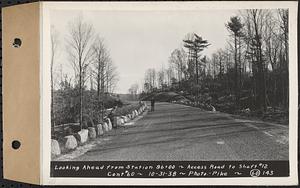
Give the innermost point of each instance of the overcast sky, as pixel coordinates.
(138, 40)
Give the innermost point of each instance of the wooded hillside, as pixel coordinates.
(250, 74)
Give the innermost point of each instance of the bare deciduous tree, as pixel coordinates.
(161, 78)
(112, 77)
(150, 78)
(133, 90)
(54, 47)
(79, 44)
(100, 60)
(178, 60)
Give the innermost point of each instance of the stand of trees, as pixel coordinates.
(251, 71)
(133, 91)
(74, 100)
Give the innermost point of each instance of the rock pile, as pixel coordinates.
(72, 141)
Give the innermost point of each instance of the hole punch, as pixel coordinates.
(15, 144)
(17, 43)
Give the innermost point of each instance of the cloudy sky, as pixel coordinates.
(138, 40)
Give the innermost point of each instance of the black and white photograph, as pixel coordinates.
(161, 85)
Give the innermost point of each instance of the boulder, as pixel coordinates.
(125, 118)
(109, 123)
(247, 110)
(105, 127)
(133, 115)
(128, 117)
(119, 121)
(71, 142)
(136, 113)
(99, 130)
(83, 134)
(110, 126)
(92, 133)
(55, 149)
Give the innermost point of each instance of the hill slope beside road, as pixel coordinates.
(179, 132)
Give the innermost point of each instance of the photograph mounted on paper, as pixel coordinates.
(169, 91)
